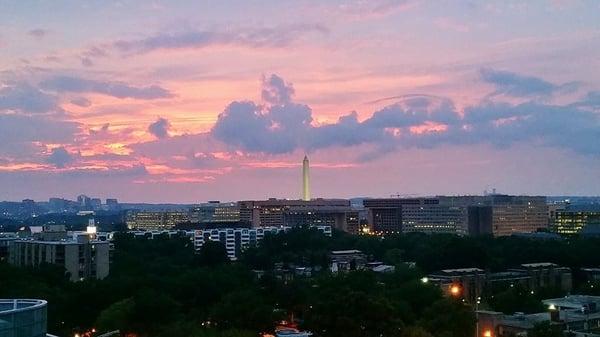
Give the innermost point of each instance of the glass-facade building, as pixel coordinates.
(574, 219)
(23, 318)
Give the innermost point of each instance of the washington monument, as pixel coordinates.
(305, 180)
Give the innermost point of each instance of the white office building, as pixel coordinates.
(238, 239)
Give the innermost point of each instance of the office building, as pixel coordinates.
(502, 215)
(384, 215)
(145, 220)
(236, 240)
(215, 212)
(574, 219)
(429, 216)
(112, 205)
(407, 215)
(23, 318)
(82, 256)
(59, 205)
(509, 214)
(339, 217)
(518, 214)
(479, 220)
(270, 213)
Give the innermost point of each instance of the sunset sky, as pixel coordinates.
(188, 101)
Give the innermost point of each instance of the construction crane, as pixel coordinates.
(405, 195)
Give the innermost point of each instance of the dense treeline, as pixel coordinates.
(430, 252)
(161, 288)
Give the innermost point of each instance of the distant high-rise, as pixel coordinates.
(305, 180)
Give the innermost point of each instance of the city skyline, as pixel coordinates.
(184, 102)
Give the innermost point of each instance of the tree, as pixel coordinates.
(545, 329)
(117, 316)
(449, 317)
(212, 253)
(393, 256)
(415, 332)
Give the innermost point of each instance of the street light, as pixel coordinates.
(455, 290)
(425, 280)
(487, 333)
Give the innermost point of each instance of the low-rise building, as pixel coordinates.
(547, 275)
(347, 260)
(471, 283)
(576, 315)
(82, 256)
(6, 240)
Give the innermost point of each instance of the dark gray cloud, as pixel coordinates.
(283, 128)
(60, 157)
(19, 133)
(414, 110)
(23, 97)
(591, 100)
(276, 91)
(81, 101)
(160, 128)
(115, 89)
(87, 62)
(276, 129)
(274, 37)
(517, 85)
(38, 33)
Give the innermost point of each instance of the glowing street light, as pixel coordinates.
(425, 280)
(487, 333)
(455, 290)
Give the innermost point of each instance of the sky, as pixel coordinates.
(188, 101)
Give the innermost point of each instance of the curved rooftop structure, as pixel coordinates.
(23, 318)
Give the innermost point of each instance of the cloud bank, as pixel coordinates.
(114, 89)
(270, 37)
(160, 128)
(280, 125)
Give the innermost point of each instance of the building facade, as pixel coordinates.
(6, 240)
(471, 283)
(431, 217)
(236, 240)
(316, 212)
(573, 219)
(510, 214)
(384, 215)
(214, 212)
(81, 259)
(144, 220)
(409, 215)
